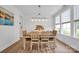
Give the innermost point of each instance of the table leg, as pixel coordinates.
(24, 43)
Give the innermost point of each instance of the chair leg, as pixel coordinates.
(38, 46)
(24, 44)
(31, 46)
(41, 46)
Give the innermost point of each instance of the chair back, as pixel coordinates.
(54, 32)
(34, 35)
(24, 33)
(44, 34)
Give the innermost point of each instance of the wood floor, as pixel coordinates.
(18, 48)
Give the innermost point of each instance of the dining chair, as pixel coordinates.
(44, 40)
(52, 39)
(24, 33)
(34, 40)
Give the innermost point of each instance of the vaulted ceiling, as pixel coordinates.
(33, 10)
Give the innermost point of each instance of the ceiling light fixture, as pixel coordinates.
(39, 10)
(39, 15)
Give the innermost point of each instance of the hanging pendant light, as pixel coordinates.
(39, 10)
(39, 16)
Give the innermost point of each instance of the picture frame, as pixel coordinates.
(6, 17)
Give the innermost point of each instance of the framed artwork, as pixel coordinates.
(6, 17)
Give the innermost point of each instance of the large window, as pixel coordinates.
(77, 29)
(65, 16)
(57, 19)
(57, 23)
(57, 28)
(76, 20)
(65, 29)
(76, 12)
(65, 23)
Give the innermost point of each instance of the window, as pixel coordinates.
(76, 12)
(65, 29)
(57, 28)
(76, 21)
(77, 29)
(57, 19)
(57, 23)
(65, 16)
(65, 23)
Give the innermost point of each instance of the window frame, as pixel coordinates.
(58, 23)
(59, 28)
(75, 28)
(63, 12)
(72, 21)
(61, 23)
(62, 28)
(59, 19)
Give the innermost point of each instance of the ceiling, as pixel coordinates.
(33, 10)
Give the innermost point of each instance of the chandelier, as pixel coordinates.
(39, 16)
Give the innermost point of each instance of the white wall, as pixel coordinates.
(30, 11)
(10, 34)
(30, 25)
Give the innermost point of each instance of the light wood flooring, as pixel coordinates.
(18, 48)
